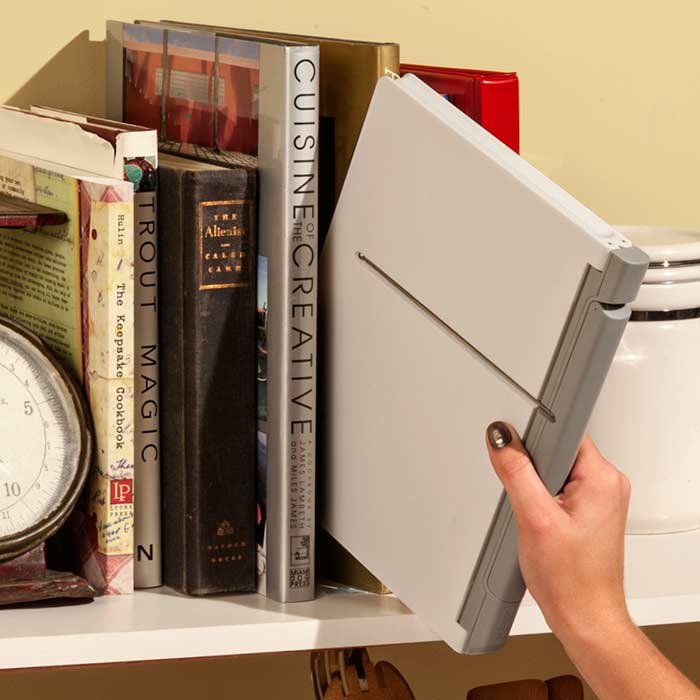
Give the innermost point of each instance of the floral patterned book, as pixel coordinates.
(107, 264)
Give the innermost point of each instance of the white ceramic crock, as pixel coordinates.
(647, 419)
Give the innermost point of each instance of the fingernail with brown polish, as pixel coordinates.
(499, 435)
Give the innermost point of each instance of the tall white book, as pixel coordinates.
(459, 286)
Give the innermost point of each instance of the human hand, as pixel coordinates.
(571, 546)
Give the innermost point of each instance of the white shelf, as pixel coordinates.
(160, 624)
(662, 581)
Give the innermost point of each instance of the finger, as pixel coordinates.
(588, 460)
(593, 476)
(528, 495)
(588, 451)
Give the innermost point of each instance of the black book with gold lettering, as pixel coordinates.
(207, 325)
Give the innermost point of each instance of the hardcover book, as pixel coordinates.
(229, 94)
(207, 217)
(119, 150)
(72, 284)
(490, 98)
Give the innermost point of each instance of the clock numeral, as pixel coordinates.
(37, 486)
(12, 489)
(4, 514)
(28, 408)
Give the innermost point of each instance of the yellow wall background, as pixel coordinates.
(610, 88)
(610, 103)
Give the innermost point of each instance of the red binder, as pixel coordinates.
(488, 97)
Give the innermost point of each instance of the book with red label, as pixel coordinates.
(73, 285)
(490, 98)
(117, 150)
(134, 156)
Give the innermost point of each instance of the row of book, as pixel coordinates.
(188, 290)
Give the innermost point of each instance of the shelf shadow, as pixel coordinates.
(73, 79)
(326, 606)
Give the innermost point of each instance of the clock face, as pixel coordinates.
(43, 450)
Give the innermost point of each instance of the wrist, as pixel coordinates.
(587, 615)
(607, 625)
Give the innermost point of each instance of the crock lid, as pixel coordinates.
(672, 281)
(663, 244)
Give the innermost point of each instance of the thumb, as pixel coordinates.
(527, 494)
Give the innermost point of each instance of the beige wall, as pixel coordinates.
(610, 89)
(610, 106)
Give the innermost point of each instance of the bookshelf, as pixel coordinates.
(159, 624)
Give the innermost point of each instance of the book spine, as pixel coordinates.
(207, 324)
(500, 109)
(287, 309)
(147, 536)
(171, 330)
(108, 357)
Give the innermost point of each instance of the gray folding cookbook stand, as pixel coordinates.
(459, 286)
